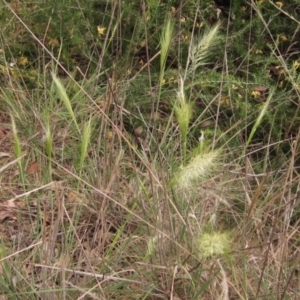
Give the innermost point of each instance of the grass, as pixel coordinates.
(148, 158)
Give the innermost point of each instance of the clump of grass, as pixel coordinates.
(18, 149)
(65, 99)
(85, 141)
(198, 168)
(48, 142)
(165, 44)
(201, 49)
(183, 111)
(202, 163)
(107, 225)
(215, 244)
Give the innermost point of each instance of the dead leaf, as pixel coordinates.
(21, 204)
(33, 169)
(276, 71)
(4, 154)
(261, 89)
(4, 214)
(9, 203)
(75, 197)
(2, 133)
(138, 131)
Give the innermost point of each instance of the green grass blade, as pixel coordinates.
(65, 98)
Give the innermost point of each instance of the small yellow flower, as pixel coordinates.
(225, 100)
(200, 25)
(185, 38)
(172, 79)
(102, 103)
(101, 30)
(182, 19)
(23, 61)
(279, 4)
(143, 43)
(283, 37)
(256, 94)
(296, 65)
(53, 42)
(109, 135)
